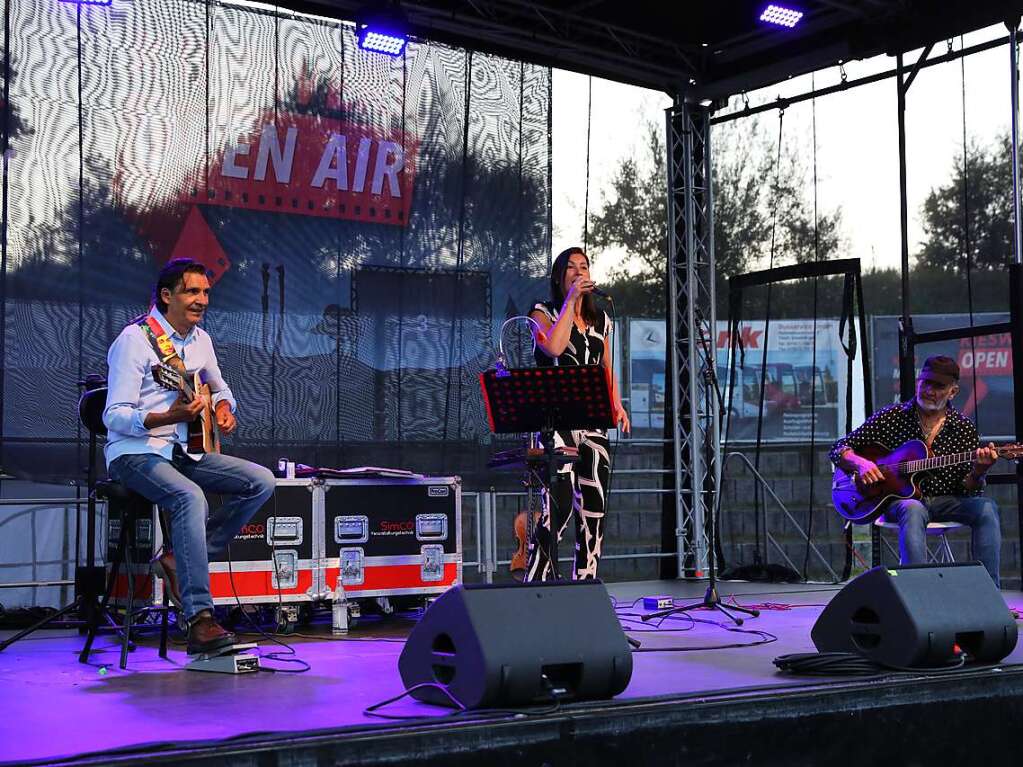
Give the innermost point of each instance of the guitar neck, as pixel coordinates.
(940, 461)
(186, 387)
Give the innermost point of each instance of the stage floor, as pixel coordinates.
(52, 707)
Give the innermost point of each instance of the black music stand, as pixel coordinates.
(546, 400)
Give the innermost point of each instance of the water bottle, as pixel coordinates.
(339, 610)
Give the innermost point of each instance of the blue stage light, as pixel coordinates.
(377, 39)
(781, 16)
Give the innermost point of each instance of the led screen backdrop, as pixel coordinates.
(368, 221)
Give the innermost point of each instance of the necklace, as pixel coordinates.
(930, 434)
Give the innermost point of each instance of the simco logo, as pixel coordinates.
(438, 491)
(404, 527)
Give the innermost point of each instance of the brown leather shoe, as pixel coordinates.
(167, 569)
(205, 635)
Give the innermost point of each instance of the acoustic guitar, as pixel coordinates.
(861, 503)
(203, 435)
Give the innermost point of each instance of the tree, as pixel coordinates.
(11, 116)
(755, 202)
(636, 218)
(985, 182)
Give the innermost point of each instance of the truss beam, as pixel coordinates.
(696, 438)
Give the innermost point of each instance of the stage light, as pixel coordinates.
(781, 16)
(381, 41)
(382, 28)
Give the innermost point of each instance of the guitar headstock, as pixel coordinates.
(168, 377)
(1012, 452)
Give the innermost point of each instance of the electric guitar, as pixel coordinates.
(203, 435)
(862, 503)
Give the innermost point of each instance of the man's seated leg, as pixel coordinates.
(247, 484)
(166, 568)
(981, 515)
(911, 516)
(157, 479)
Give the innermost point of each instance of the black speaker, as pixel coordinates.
(513, 645)
(914, 615)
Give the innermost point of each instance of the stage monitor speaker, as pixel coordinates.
(518, 644)
(915, 615)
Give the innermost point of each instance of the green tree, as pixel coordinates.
(751, 193)
(635, 217)
(984, 182)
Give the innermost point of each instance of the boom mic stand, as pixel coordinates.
(88, 579)
(711, 599)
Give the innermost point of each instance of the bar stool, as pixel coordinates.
(941, 551)
(131, 509)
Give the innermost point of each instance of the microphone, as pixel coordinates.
(598, 292)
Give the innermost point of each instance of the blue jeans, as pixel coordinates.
(176, 486)
(976, 512)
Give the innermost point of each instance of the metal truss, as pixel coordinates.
(658, 46)
(697, 436)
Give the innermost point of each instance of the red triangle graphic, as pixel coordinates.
(197, 241)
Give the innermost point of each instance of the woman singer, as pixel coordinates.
(573, 331)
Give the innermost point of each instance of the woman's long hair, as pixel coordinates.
(558, 269)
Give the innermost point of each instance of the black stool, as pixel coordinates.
(130, 508)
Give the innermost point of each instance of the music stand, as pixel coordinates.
(547, 400)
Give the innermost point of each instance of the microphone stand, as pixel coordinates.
(711, 599)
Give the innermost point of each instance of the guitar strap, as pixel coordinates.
(161, 343)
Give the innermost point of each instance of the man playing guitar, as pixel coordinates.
(148, 435)
(949, 494)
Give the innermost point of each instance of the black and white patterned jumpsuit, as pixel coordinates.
(580, 491)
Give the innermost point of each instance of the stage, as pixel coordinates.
(689, 704)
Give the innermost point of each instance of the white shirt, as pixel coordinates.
(132, 393)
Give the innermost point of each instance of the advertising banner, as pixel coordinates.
(646, 373)
(801, 387)
(985, 365)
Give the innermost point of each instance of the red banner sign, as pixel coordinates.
(314, 166)
(980, 358)
(987, 355)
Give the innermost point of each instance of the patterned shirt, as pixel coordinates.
(896, 424)
(583, 348)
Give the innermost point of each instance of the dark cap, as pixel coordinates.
(940, 369)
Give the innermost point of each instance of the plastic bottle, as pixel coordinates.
(339, 610)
